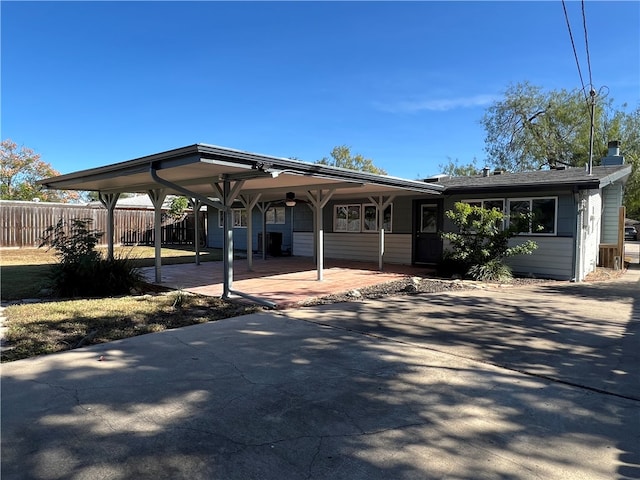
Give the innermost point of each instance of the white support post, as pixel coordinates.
(228, 194)
(249, 203)
(109, 200)
(195, 206)
(319, 200)
(157, 197)
(263, 207)
(381, 205)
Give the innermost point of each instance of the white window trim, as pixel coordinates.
(335, 217)
(375, 225)
(530, 200)
(361, 207)
(390, 229)
(233, 218)
(482, 200)
(274, 221)
(505, 218)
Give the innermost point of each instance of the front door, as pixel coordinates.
(427, 245)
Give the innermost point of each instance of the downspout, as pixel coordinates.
(577, 244)
(228, 252)
(195, 205)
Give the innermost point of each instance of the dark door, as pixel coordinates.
(427, 246)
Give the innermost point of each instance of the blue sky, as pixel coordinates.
(403, 83)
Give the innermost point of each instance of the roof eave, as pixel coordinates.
(209, 153)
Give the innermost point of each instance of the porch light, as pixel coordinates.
(290, 200)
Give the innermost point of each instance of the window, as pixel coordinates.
(429, 218)
(347, 218)
(370, 218)
(276, 215)
(360, 218)
(543, 213)
(487, 204)
(238, 215)
(386, 218)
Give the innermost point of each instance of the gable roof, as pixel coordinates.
(529, 181)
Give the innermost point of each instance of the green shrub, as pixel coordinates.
(82, 271)
(493, 270)
(481, 243)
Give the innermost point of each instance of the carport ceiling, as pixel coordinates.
(198, 167)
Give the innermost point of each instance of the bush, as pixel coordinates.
(493, 270)
(82, 271)
(482, 242)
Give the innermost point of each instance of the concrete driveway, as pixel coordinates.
(530, 383)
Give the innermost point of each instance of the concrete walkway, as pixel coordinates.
(529, 383)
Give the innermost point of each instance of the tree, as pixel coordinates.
(481, 243)
(178, 207)
(626, 127)
(454, 168)
(531, 129)
(19, 171)
(341, 157)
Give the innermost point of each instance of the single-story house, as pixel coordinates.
(308, 209)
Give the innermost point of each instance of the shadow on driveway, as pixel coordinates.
(408, 388)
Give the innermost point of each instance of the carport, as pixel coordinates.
(217, 177)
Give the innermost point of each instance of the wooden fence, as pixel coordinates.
(23, 223)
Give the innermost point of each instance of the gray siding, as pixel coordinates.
(215, 234)
(302, 218)
(303, 244)
(552, 259)
(356, 246)
(402, 221)
(611, 202)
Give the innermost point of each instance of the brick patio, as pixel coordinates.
(286, 281)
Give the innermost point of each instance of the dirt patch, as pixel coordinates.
(603, 274)
(417, 285)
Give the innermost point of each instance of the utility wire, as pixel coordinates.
(586, 41)
(575, 53)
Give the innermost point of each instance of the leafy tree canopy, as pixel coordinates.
(20, 169)
(530, 129)
(341, 157)
(454, 168)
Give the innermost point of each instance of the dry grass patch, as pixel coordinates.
(49, 327)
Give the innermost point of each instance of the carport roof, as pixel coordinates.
(197, 167)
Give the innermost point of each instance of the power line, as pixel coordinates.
(575, 53)
(590, 98)
(586, 41)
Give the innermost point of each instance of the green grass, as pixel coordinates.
(50, 327)
(53, 326)
(24, 272)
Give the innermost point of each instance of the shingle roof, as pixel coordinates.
(578, 177)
